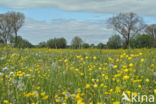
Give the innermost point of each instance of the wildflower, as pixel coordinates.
(72, 95)
(93, 80)
(77, 70)
(117, 102)
(147, 80)
(135, 93)
(98, 103)
(101, 85)
(139, 86)
(45, 97)
(82, 74)
(28, 95)
(57, 100)
(38, 88)
(87, 86)
(78, 56)
(43, 93)
(142, 60)
(63, 93)
(5, 101)
(100, 68)
(140, 53)
(94, 57)
(35, 94)
(117, 89)
(128, 92)
(154, 91)
(91, 103)
(106, 77)
(56, 96)
(130, 65)
(65, 61)
(129, 58)
(125, 70)
(86, 57)
(115, 66)
(95, 85)
(125, 77)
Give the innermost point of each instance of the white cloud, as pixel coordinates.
(145, 7)
(91, 32)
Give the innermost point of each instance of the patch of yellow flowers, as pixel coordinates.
(86, 76)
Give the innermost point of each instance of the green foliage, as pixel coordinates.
(76, 42)
(141, 41)
(22, 43)
(56, 43)
(114, 42)
(154, 43)
(1, 41)
(92, 46)
(85, 45)
(42, 45)
(100, 46)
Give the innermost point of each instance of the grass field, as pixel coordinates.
(91, 76)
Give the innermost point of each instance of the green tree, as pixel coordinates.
(92, 45)
(42, 45)
(143, 41)
(85, 45)
(22, 43)
(76, 42)
(62, 43)
(57, 43)
(16, 20)
(127, 24)
(5, 28)
(151, 30)
(114, 42)
(100, 46)
(10, 23)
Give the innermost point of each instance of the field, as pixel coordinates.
(91, 76)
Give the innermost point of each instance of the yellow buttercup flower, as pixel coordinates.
(154, 91)
(45, 97)
(115, 66)
(87, 86)
(117, 102)
(95, 85)
(5, 101)
(125, 77)
(43, 93)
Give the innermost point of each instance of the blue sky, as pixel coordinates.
(48, 14)
(87, 19)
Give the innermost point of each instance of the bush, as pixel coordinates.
(85, 45)
(100, 46)
(114, 42)
(141, 41)
(22, 43)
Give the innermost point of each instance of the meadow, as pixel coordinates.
(84, 76)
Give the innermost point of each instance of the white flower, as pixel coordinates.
(154, 74)
(1, 74)
(20, 85)
(5, 68)
(11, 73)
(2, 58)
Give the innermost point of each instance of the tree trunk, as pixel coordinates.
(128, 39)
(15, 38)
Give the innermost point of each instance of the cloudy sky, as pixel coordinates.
(47, 19)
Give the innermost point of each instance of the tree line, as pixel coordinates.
(131, 32)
